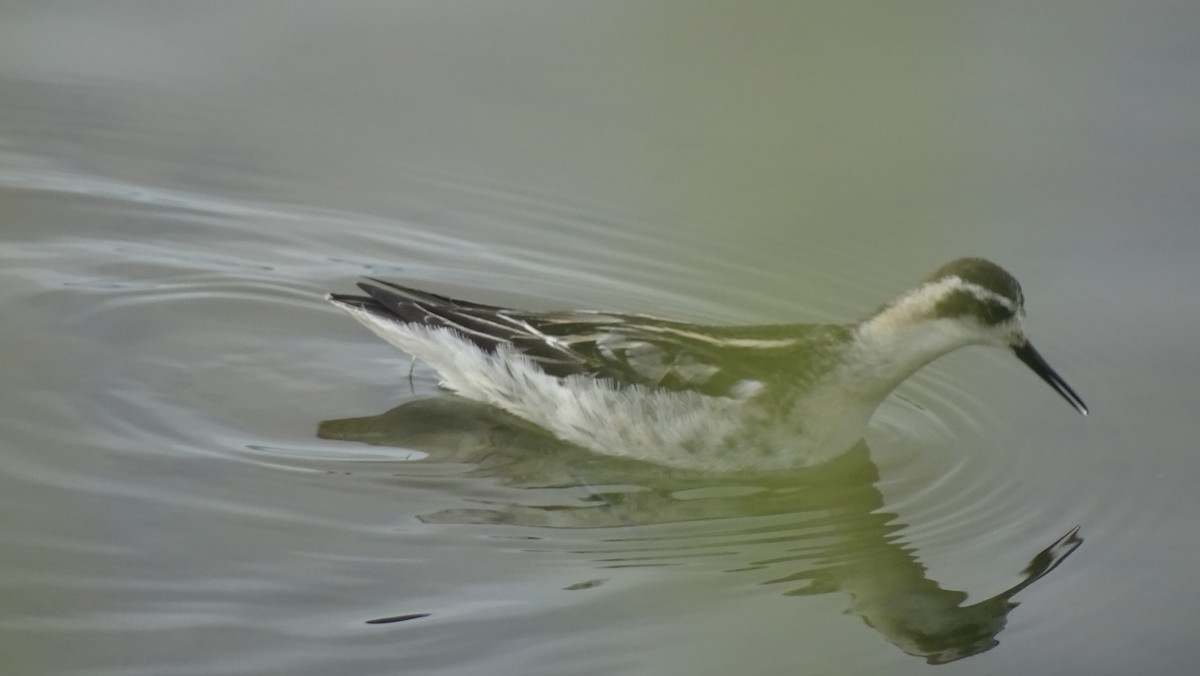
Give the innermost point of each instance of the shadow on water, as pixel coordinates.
(814, 531)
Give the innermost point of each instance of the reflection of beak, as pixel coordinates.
(1033, 360)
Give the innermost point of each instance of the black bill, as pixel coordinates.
(1033, 360)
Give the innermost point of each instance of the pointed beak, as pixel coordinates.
(1033, 360)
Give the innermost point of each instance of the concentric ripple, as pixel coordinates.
(200, 372)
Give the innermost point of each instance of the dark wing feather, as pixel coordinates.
(486, 326)
(713, 360)
(627, 349)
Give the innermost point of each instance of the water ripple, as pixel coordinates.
(209, 365)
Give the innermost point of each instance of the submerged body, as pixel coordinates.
(701, 397)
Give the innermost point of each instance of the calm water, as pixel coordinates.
(206, 469)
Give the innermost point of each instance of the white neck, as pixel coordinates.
(902, 338)
(884, 354)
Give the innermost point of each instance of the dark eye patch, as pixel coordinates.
(988, 312)
(982, 273)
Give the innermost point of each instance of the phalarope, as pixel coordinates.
(717, 398)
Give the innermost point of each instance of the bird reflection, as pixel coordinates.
(812, 531)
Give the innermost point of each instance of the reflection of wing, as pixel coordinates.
(629, 349)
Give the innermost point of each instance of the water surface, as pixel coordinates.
(206, 469)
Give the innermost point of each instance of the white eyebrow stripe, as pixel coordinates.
(922, 301)
(944, 286)
(985, 295)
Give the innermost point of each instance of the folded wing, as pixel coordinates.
(628, 349)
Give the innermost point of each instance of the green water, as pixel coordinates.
(207, 469)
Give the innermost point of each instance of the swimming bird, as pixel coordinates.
(714, 398)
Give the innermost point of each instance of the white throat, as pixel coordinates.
(908, 334)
